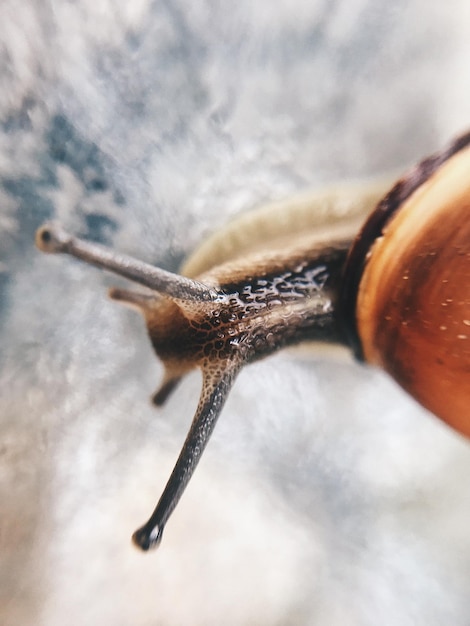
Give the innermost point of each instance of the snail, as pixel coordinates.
(397, 294)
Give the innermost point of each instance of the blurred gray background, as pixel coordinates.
(326, 495)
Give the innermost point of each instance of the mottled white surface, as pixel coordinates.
(326, 496)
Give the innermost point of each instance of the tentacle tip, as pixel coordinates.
(159, 397)
(114, 293)
(163, 392)
(169, 384)
(52, 239)
(147, 539)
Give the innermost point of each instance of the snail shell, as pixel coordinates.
(398, 294)
(325, 215)
(407, 285)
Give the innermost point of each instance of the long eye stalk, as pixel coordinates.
(51, 238)
(215, 389)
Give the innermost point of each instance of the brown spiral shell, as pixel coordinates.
(407, 285)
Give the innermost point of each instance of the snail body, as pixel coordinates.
(398, 294)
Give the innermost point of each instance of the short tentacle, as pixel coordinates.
(166, 388)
